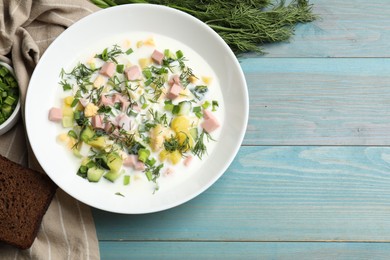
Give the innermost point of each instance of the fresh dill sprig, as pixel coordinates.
(245, 25)
(200, 147)
(110, 54)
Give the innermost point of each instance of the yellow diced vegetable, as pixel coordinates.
(207, 80)
(99, 81)
(144, 62)
(175, 157)
(67, 111)
(163, 155)
(150, 42)
(90, 110)
(180, 123)
(68, 100)
(64, 137)
(192, 79)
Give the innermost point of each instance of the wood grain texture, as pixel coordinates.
(345, 29)
(316, 101)
(240, 250)
(277, 194)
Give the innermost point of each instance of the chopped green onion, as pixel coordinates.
(74, 102)
(179, 54)
(206, 104)
(126, 180)
(120, 68)
(129, 51)
(149, 175)
(143, 154)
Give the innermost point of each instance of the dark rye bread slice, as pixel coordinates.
(25, 196)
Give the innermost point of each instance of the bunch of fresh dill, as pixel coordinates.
(245, 25)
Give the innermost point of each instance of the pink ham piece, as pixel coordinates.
(55, 114)
(107, 101)
(139, 166)
(84, 102)
(131, 160)
(174, 91)
(157, 57)
(124, 121)
(188, 160)
(98, 121)
(210, 122)
(133, 73)
(108, 69)
(175, 79)
(123, 100)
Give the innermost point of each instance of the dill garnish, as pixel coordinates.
(245, 25)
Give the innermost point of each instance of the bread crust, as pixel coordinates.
(25, 196)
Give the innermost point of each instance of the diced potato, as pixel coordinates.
(99, 81)
(127, 43)
(144, 62)
(140, 44)
(64, 137)
(207, 80)
(68, 100)
(192, 79)
(174, 157)
(180, 123)
(90, 110)
(163, 155)
(157, 137)
(150, 42)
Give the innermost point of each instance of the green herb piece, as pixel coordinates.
(129, 51)
(206, 104)
(245, 25)
(143, 154)
(120, 68)
(215, 105)
(73, 134)
(119, 194)
(126, 179)
(110, 54)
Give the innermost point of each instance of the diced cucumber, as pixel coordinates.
(98, 142)
(194, 133)
(87, 134)
(112, 176)
(185, 108)
(94, 174)
(114, 162)
(67, 121)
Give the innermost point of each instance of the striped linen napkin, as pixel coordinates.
(27, 27)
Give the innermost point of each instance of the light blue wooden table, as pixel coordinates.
(312, 178)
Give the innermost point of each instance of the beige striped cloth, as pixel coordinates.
(27, 27)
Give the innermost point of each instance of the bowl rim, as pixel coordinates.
(10, 122)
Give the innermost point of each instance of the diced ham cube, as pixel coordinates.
(133, 73)
(119, 98)
(125, 105)
(98, 121)
(109, 127)
(210, 122)
(136, 107)
(175, 79)
(157, 57)
(124, 122)
(188, 160)
(107, 101)
(55, 114)
(108, 69)
(139, 166)
(174, 91)
(131, 160)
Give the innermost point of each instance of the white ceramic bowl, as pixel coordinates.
(13, 119)
(42, 93)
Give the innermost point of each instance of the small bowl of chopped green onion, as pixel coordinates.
(9, 98)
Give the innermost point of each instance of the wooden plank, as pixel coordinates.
(345, 29)
(277, 194)
(241, 250)
(316, 101)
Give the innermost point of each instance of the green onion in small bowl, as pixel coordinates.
(9, 98)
